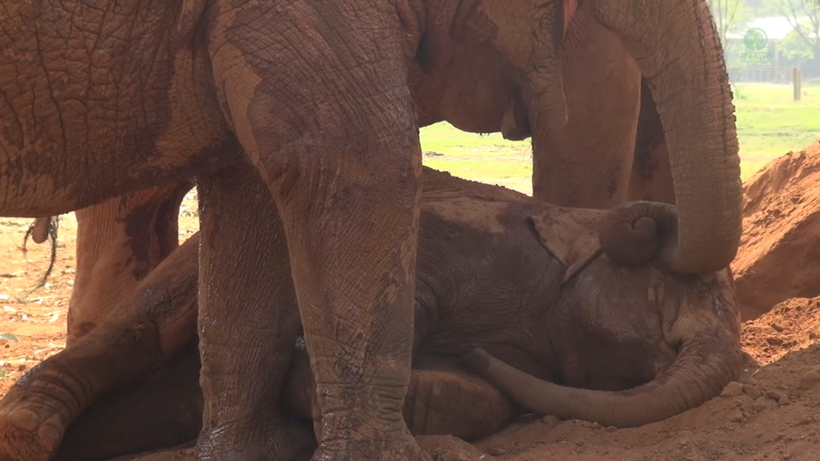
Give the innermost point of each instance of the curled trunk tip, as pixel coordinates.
(636, 232)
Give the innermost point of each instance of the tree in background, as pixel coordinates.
(804, 17)
(794, 47)
(728, 15)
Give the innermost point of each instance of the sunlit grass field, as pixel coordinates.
(769, 125)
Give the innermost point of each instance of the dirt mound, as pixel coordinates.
(792, 324)
(779, 256)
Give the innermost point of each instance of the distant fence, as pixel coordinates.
(770, 74)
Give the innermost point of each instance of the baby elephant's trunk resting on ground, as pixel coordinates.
(693, 379)
(698, 320)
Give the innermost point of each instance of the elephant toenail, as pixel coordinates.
(25, 419)
(49, 436)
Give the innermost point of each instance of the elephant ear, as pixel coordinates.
(569, 234)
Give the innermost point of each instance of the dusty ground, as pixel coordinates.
(774, 414)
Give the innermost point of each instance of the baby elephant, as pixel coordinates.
(526, 295)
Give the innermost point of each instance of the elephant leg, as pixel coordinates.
(134, 340)
(327, 118)
(442, 399)
(160, 412)
(586, 162)
(163, 411)
(651, 177)
(119, 242)
(166, 222)
(244, 267)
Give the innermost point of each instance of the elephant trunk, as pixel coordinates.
(679, 53)
(706, 363)
(634, 233)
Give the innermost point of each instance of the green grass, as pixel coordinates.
(769, 124)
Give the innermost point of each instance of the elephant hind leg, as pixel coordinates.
(155, 323)
(248, 323)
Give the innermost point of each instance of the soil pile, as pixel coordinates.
(792, 324)
(779, 256)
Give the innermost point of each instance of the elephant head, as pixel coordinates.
(488, 66)
(616, 316)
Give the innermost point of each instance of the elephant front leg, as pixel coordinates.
(442, 399)
(349, 204)
(317, 93)
(352, 234)
(248, 323)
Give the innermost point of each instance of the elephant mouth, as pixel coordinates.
(515, 123)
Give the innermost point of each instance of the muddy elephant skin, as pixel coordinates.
(316, 96)
(595, 161)
(524, 281)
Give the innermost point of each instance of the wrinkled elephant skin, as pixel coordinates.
(163, 92)
(486, 255)
(315, 96)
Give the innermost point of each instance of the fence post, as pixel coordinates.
(798, 84)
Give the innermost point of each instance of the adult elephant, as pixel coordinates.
(589, 163)
(317, 96)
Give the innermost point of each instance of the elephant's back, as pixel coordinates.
(441, 185)
(483, 207)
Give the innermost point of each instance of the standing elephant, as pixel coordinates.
(318, 97)
(586, 165)
(661, 343)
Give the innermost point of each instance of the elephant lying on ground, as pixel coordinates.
(525, 281)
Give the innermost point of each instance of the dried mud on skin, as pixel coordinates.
(771, 413)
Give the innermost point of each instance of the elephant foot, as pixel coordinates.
(290, 441)
(400, 448)
(28, 432)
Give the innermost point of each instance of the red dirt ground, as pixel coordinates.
(780, 249)
(773, 413)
